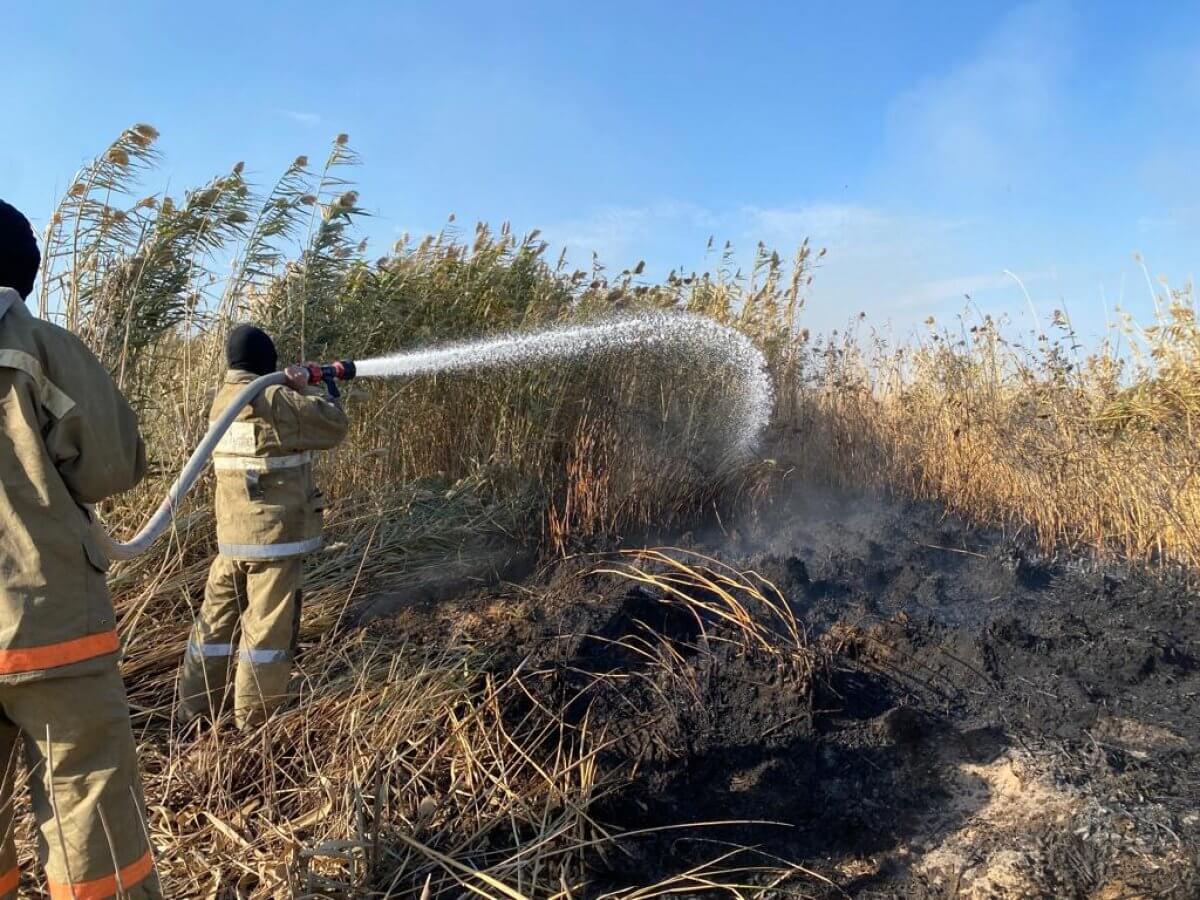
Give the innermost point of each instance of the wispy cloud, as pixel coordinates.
(307, 119)
(829, 224)
(849, 231)
(988, 120)
(616, 234)
(895, 266)
(892, 265)
(940, 292)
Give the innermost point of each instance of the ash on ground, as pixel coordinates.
(971, 719)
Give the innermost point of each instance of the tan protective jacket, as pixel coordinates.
(267, 504)
(67, 438)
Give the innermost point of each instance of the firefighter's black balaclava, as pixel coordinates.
(251, 350)
(19, 256)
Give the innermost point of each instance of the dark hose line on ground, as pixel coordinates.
(164, 515)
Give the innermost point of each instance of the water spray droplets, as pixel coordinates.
(698, 340)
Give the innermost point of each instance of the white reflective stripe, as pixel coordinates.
(241, 439)
(198, 648)
(259, 657)
(52, 397)
(261, 463)
(269, 551)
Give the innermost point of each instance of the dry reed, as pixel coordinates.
(407, 771)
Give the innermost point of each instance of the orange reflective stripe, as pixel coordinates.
(50, 656)
(10, 880)
(103, 888)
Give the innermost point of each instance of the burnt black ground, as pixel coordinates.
(985, 721)
(1088, 673)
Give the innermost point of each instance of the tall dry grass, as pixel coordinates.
(1078, 447)
(1091, 451)
(153, 284)
(404, 771)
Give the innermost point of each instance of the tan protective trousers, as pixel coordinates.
(264, 599)
(84, 784)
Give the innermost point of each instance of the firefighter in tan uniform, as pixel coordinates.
(67, 438)
(268, 518)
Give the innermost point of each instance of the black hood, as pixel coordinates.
(250, 349)
(19, 256)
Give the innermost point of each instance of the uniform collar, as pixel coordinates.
(8, 297)
(238, 376)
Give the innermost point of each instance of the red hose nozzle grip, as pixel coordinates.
(340, 370)
(330, 374)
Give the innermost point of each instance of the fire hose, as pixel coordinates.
(706, 341)
(329, 374)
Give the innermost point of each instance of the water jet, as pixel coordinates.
(702, 340)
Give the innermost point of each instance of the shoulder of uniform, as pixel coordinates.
(55, 345)
(222, 395)
(20, 319)
(273, 393)
(56, 360)
(281, 400)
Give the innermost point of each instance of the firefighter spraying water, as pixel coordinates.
(699, 341)
(268, 513)
(265, 425)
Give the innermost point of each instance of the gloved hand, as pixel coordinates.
(297, 377)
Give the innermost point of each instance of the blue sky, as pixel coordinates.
(928, 145)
